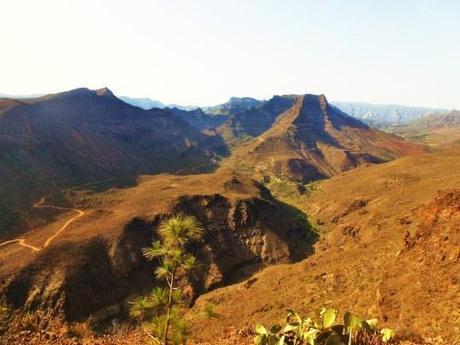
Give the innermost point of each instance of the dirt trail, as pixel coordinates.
(40, 204)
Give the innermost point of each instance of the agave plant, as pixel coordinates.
(304, 331)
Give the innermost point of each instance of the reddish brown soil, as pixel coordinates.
(390, 250)
(312, 140)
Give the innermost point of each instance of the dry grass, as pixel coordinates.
(361, 263)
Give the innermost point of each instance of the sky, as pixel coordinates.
(202, 52)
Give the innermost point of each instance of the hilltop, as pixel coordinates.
(306, 138)
(82, 136)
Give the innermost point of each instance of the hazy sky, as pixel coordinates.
(204, 51)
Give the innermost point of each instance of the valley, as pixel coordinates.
(302, 207)
(389, 248)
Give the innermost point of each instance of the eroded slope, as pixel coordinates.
(390, 250)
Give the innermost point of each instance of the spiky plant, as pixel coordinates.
(174, 234)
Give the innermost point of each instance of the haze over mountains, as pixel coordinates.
(81, 136)
(272, 182)
(381, 115)
(308, 139)
(385, 114)
(437, 130)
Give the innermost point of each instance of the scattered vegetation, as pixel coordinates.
(9, 216)
(160, 313)
(243, 166)
(209, 310)
(325, 331)
(292, 194)
(288, 190)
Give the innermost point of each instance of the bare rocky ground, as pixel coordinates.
(390, 249)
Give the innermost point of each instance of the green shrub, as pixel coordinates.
(325, 331)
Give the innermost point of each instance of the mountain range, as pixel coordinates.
(378, 115)
(385, 114)
(306, 138)
(81, 136)
(437, 130)
(344, 213)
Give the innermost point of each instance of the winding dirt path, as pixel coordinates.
(40, 204)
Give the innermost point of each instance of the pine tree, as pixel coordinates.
(162, 304)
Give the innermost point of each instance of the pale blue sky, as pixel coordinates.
(204, 51)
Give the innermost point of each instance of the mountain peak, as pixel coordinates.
(84, 91)
(105, 91)
(316, 100)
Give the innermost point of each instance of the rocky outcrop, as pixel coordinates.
(245, 234)
(245, 229)
(308, 139)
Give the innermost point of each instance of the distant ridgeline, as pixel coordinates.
(81, 136)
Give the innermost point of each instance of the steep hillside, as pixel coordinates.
(81, 136)
(198, 119)
(252, 122)
(97, 262)
(144, 102)
(436, 130)
(389, 249)
(310, 140)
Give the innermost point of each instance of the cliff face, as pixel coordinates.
(95, 276)
(249, 123)
(312, 139)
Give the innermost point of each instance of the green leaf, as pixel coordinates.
(259, 339)
(189, 262)
(372, 323)
(180, 229)
(328, 317)
(387, 334)
(164, 271)
(158, 297)
(260, 329)
(290, 327)
(138, 306)
(352, 322)
(310, 336)
(293, 314)
(281, 341)
(155, 251)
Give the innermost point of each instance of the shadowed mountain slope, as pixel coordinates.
(82, 135)
(310, 139)
(252, 122)
(235, 105)
(198, 119)
(97, 263)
